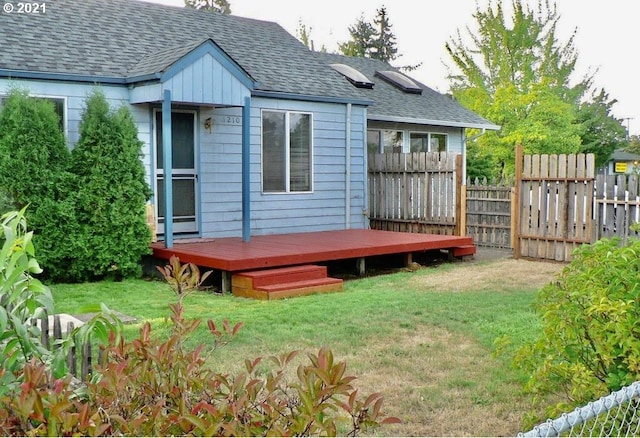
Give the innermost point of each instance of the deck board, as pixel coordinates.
(233, 255)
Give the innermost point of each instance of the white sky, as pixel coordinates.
(607, 34)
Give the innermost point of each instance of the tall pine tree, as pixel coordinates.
(368, 40)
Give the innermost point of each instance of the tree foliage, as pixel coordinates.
(371, 40)
(517, 74)
(602, 133)
(112, 192)
(219, 6)
(34, 172)
(303, 33)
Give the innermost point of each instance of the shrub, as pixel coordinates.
(34, 163)
(153, 387)
(112, 192)
(590, 344)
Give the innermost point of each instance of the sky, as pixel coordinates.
(606, 36)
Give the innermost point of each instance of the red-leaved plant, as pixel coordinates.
(154, 387)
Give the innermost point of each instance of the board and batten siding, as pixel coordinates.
(75, 95)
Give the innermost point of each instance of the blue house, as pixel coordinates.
(246, 132)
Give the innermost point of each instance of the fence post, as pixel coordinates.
(460, 226)
(515, 222)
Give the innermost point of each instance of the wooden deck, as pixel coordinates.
(261, 252)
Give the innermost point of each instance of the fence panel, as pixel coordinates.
(617, 206)
(51, 330)
(613, 415)
(488, 212)
(554, 204)
(414, 192)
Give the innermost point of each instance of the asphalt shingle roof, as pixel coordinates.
(390, 101)
(120, 39)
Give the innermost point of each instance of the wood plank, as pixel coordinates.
(232, 254)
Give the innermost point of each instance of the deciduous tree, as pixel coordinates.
(518, 74)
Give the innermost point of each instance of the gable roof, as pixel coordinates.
(127, 41)
(116, 40)
(623, 155)
(392, 104)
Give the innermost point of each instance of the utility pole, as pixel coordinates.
(627, 119)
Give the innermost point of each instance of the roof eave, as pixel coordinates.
(419, 121)
(67, 77)
(309, 98)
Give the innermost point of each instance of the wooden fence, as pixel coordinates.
(488, 212)
(416, 192)
(555, 204)
(554, 197)
(617, 206)
(80, 358)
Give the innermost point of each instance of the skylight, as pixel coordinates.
(400, 81)
(354, 76)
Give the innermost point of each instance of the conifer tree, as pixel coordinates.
(219, 6)
(112, 191)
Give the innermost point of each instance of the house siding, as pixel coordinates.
(271, 213)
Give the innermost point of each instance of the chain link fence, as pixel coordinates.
(614, 415)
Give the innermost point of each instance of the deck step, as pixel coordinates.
(268, 284)
(464, 250)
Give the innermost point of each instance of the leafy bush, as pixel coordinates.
(112, 192)
(590, 344)
(34, 163)
(153, 387)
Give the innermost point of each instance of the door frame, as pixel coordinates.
(186, 227)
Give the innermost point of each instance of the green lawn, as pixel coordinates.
(428, 350)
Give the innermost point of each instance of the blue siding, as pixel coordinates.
(323, 209)
(204, 81)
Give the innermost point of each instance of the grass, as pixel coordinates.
(428, 350)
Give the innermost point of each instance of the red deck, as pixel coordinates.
(232, 254)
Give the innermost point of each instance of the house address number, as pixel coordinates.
(228, 120)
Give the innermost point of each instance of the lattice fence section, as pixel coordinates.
(415, 192)
(614, 415)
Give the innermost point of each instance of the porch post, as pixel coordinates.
(167, 164)
(246, 170)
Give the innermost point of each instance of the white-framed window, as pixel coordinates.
(384, 141)
(428, 142)
(59, 106)
(287, 151)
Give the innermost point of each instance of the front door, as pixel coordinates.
(184, 172)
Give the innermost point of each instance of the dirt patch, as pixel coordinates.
(495, 271)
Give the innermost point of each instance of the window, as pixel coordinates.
(384, 141)
(58, 107)
(286, 152)
(427, 142)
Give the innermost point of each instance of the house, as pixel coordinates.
(246, 132)
(623, 162)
